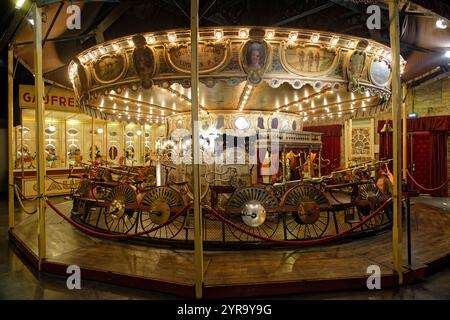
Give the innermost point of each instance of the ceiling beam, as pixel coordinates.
(304, 14)
(107, 22)
(52, 23)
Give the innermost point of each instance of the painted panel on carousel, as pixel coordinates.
(144, 61)
(310, 60)
(355, 66)
(380, 72)
(211, 57)
(254, 60)
(110, 68)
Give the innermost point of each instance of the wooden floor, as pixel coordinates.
(233, 273)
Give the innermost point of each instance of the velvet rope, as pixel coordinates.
(426, 189)
(114, 236)
(302, 242)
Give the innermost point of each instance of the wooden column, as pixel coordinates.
(397, 152)
(40, 123)
(198, 230)
(10, 138)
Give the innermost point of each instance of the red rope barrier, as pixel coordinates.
(302, 242)
(422, 187)
(114, 236)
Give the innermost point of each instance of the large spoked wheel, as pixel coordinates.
(369, 199)
(159, 205)
(251, 208)
(307, 219)
(120, 213)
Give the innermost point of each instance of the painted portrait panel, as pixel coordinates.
(255, 56)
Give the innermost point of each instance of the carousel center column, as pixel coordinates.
(39, 94)
(198, 234)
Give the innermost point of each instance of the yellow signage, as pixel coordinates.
(56, 98)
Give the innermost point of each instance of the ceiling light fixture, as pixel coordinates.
(293, 36)
(270, 34)
(441, 24)
(19, 3)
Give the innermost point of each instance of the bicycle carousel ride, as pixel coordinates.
(312, 210)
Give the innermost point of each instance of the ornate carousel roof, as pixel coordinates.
(146, 77)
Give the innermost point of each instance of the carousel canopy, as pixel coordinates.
(146, 77)
(104, 23)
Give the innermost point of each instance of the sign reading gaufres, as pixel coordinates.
(55, 98)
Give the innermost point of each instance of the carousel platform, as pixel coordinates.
(237, 273)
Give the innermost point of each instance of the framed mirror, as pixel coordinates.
(50, 130)
(23, 130)
(72, 132)
(274, 123)
(113, 152)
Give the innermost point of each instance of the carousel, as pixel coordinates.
(263, 179)
(220, 161)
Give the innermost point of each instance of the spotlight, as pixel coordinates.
(19, 3)
(99, 130)
(441, 24)
(447, 54)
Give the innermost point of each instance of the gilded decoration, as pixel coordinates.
(110, 68)
(361, 143)
(140, 61)
(144, 61)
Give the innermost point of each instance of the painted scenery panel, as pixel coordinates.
(110, 67)
(210, 57)
(310, 60)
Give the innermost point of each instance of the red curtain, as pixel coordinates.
(331, 144)
(439, 162)
(438, 127)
